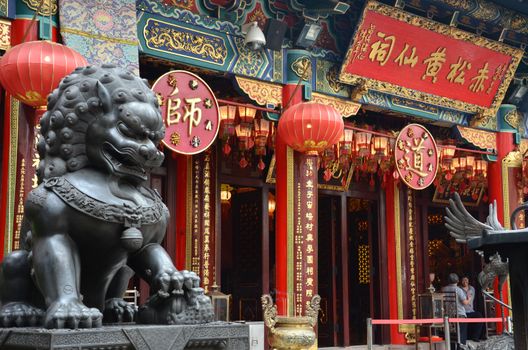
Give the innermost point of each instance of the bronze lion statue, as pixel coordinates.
(91, 223)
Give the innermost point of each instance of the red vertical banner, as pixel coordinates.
(27, 164)
(195, 216)
(202, 240)
(208, 218)
(305, 233)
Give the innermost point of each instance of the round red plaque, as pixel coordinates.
(416, 156)
(189, 110)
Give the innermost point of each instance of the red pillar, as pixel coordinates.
(281, 227)
(21, 26)
(505, 145)
(291, 94)
(182, 181)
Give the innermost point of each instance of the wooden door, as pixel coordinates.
(329, 327)
(361, 223)
(246, 275)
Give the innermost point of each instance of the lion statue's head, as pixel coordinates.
(101, 117)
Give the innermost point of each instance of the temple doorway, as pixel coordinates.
(364, 276)
(241, 250)
(330, 325)
(349, 279)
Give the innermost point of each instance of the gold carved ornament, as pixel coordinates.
(269, 311)
(512, 160)
(513, 118)
(261, 92)
(359, 90)
(480, 138)
(5, 35)
(193, 42)
(43, 6)
(344, 107)
(302, 67)
(314, 147)
(184, 4)
(389, 11)
(523, 147)
(414, 105)
(482, 119)
(332, 77)
(98, 36)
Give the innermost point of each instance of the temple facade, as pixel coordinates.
(432, 95)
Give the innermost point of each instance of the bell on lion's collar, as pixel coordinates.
(132, 239)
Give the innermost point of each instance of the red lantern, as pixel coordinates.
(311, 127)
(31, 71)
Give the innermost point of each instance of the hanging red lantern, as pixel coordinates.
(311, 127)
(32, 70)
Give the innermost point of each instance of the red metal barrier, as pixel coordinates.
(446, 321)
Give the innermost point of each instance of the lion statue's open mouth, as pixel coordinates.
(123, 162)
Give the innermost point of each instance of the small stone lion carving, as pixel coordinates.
(91, 223)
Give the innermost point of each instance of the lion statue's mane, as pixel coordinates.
(71, 109)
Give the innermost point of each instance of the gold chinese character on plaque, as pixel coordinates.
(477, 84)
(434, 63)
(405, 58)
(382, 49)
(458, 70)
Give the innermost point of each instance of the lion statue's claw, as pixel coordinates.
(19, 314)
(72, 314)
(117, 311)
(172, 282)
(168, 282)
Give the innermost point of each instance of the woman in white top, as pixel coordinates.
(474, 329)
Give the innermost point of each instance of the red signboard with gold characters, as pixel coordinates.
(189, 110)
(410, 56)
(416, 156)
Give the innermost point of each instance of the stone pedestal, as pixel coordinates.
(216, 335)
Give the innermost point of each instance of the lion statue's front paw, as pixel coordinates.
(72, 314)
(168, 282)
(192, 308)
(172, 281)
(19, 314)
(117, 311)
